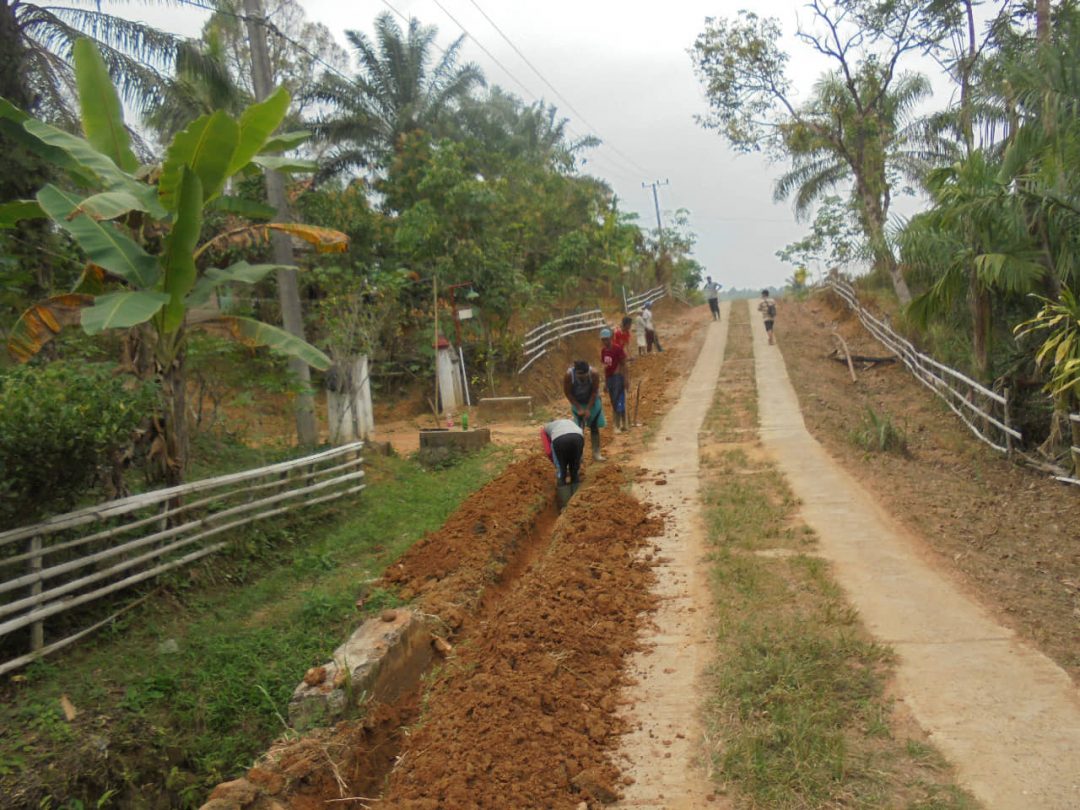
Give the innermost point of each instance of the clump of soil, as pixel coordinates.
(303, 773)
(1008, 534)
(524, 713)
(447, 572)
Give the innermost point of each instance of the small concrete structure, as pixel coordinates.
(448, 367)
(439, 444)
(495, 408)
(348, 402)
(384, 658)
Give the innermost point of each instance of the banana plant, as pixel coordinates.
(140, 229)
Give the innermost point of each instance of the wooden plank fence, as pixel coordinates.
(90, 554)
(984, 411)
(635, 303)
(537, 341)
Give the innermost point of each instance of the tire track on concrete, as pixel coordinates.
(1004, 714)
(665, 754)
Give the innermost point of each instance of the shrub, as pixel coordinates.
(62, 426)
(879, 434)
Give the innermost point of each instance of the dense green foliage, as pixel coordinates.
(63, 428)
(997, 242)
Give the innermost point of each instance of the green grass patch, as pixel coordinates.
(797, 705)
(187, 691)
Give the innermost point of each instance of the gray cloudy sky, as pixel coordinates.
(624, 67)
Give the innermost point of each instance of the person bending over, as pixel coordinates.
(581, 385)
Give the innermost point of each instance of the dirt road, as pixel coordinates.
(663, 752)
(1005, 716)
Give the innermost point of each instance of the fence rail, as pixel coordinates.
(984, 411)
(635, 303)
(537, 341)
(89, 554)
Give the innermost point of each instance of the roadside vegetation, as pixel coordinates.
(799, 712)
(986, 276)
(187, 691)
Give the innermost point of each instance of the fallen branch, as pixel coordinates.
(847, 355)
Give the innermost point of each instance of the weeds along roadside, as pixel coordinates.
(799, 712)
(187, 691)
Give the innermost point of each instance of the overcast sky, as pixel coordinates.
(624, 67)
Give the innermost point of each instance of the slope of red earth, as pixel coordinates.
(542, 610)
(523, 714)
(1010, 536)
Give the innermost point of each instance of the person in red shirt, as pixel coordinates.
(615, 377)
(622, 336)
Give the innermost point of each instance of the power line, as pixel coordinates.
(518, 81)
(554, 90)
(480, 45)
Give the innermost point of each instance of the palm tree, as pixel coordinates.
(137, 55)
(509, 129)
(399, 88)
(974, 242)
(857, 130)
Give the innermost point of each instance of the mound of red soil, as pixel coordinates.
(524, 713)
(447, 572)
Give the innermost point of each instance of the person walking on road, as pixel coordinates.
(564, 444)
(767, 307)
(616, 377)
(582, 389)
(712, 293)
(650, 329)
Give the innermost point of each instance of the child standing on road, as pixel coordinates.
(615, 377)
(767, 308)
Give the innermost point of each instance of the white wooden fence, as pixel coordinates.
(537, 341)
(84, 556)
(635, 303)
(984, 411)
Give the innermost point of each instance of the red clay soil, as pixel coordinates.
(524, 712)
(448, 571)
(1007, 534)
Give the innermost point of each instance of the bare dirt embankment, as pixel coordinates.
(1007, 535)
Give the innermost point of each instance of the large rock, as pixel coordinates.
(383, 659)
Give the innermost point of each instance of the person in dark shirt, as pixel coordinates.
(581, 385)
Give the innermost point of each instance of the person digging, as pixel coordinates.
(616, 377)
(582, 389)
(564, 444)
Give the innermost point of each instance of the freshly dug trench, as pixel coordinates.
(524, 713)
(449, 574)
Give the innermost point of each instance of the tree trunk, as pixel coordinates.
(874, 214)
(979, 303)
(174, 393)
(1042, 21)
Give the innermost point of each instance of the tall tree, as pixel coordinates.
(139, 57)
(853, 119)
(399, 88)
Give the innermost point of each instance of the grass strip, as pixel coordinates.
(186, 692)
(799, 706)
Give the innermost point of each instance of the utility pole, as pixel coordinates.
(659, 226)
(292, 316)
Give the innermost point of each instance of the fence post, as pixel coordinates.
(1008, 423)
(37, 629)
